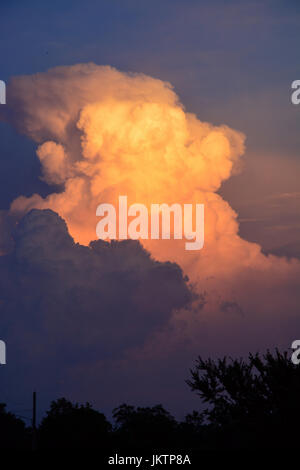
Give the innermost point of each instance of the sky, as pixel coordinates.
(230, 64)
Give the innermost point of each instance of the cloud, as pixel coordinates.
(6, 241)
(62, 303)
(105, 296)
(102, 133)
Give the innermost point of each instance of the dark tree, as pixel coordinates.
(144, 428)
(254, 403)
(71, 426)
(191, 432)
(13, 434)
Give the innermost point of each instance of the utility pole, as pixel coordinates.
(34, 436)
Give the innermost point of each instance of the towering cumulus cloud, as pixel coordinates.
(102, 133)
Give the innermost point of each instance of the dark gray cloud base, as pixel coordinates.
(63, 304)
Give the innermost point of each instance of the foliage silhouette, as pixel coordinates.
(69, 426)
(252, 404)
(13, 434)
(144, 428)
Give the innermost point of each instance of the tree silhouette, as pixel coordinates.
(144, 428)
(69, 425)
(251, 404)
(13, 434)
